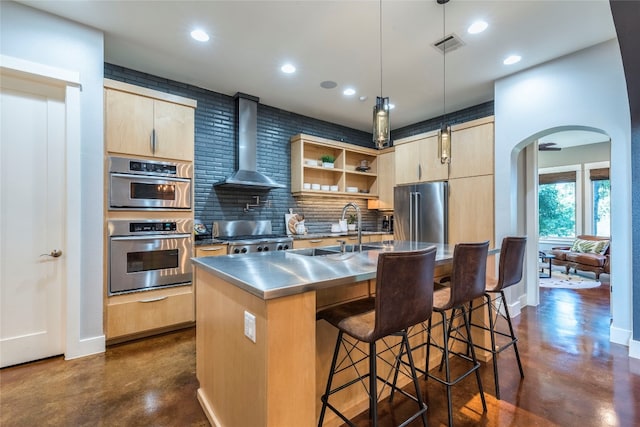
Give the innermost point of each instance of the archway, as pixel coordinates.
(578, 148)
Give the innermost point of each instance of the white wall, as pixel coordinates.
(45, 39)
(585, 89)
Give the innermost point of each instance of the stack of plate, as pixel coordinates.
(325, 187)
(352, 189)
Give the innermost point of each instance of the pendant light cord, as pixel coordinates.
(444, 66)
(380, 48)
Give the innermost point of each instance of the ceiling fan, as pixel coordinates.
(548, 146)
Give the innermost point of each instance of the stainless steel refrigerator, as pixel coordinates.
(421, 212)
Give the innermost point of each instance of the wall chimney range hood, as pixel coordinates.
(246, 174)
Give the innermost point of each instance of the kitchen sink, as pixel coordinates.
(332, 250)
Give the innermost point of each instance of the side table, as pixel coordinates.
(544, 258)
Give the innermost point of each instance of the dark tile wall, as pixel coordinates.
(468, 114)
(215, 155)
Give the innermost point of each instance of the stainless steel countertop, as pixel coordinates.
(282, 273)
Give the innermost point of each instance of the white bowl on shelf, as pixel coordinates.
(325, 187)
(334, 188)
(315, 186)
(311, 162)
(352, 189)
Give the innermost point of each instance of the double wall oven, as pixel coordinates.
(146, 250)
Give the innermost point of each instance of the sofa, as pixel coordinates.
(587, 253)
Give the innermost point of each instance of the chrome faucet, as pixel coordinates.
(344, 211)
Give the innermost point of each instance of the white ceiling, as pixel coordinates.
(339, 41)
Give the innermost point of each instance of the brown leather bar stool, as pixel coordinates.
(404, 297)
(509, 274)
(467, 283)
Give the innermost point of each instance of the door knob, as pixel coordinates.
(54, 253)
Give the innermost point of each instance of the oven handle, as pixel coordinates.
(153, 299)
(153, 177)
(152, 236)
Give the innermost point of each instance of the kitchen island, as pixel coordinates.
(262, 358)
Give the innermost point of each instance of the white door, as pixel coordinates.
(32, 225)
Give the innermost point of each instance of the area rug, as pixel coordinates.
(561, 280)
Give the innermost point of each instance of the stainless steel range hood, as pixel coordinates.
(246, 175)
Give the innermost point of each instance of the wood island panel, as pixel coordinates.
(267, 383)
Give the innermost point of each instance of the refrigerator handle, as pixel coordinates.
(416, 207)
(411, 215)
(419, 171)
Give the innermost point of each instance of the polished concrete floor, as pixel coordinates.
(573, 377)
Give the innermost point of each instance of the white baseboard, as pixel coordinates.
(86, 347)
(619, 336)
(634, 349)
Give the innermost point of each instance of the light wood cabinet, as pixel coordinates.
(306, 167)
(417, 160)
(211, 250)
(471, 203)
(145, 122)
(142, 312)
(472, 149)
(386, 181)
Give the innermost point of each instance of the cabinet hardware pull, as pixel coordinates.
(153, 299)
(315, 241)
(211, 249)
(153, 141)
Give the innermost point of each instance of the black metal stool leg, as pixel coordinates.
(513, 335)
(467, 325)
(445, 354)
(325, 396)
(414, 375)
(494, 353)
(373, 385)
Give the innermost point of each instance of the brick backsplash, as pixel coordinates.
(215, 155)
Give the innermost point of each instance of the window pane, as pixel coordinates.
(557, 209)
(601, 207)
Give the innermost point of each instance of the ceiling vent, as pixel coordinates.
(448, 43)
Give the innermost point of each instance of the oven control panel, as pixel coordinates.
(141, 227)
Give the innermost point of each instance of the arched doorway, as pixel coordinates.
(577, 150)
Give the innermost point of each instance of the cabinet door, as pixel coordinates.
(174, 126)
(472, 151)
(431, 168)
(407, 163)
(386, 179)
(128, 123)
(419, 161)
(471, 209)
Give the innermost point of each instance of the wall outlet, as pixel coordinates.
(250, 326)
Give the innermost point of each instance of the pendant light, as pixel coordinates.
(381, 129)
(444, 134)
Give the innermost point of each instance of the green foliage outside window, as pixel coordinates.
(557, 210)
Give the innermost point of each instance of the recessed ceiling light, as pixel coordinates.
(477, 27)
(288, 68)
(328, 84)
(200, 35)
(349, 92)
(363, 98)
(512, 59)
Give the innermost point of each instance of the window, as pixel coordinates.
(559, 202)
(599, 200)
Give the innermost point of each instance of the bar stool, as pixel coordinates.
(509, 274)
(404, 297)
(467, 283)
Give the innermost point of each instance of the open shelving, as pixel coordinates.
(346, 174)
